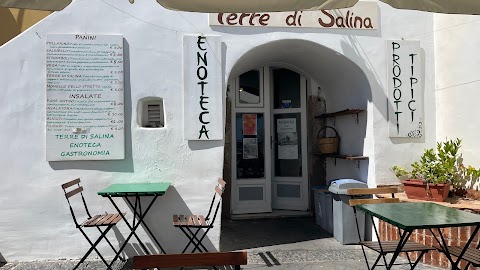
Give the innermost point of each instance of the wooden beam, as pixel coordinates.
(355, 202)
(371, 191)
(190, 259)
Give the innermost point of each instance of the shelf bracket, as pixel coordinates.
(331, 119)
(334, 160)
(355, 116)
(357, 163)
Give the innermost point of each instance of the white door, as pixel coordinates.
(268, 152)
(289, 131)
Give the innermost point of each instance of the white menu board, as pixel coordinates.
(85, 97)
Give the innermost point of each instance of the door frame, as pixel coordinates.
(265, 205)
(237, 207)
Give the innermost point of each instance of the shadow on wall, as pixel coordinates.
(124, 165)
(10, 28)
(201, 145)
(2, 260)
(159, 220)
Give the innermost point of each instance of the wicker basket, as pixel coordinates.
(328, 145)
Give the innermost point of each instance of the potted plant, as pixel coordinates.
(437, 173)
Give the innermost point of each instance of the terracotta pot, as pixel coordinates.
(417, 189)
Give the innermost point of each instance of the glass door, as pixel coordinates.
(289, 159)
(251, 155)
(269, 143)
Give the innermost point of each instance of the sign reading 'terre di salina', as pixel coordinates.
(85, 97)
(203, 95)
(362, 16)
(405, 89)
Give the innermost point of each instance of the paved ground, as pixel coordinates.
(271, 244)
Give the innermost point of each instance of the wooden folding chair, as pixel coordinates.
(234, 258)
(96, 221)
(383, 247)
(471, 255)
(191, 225)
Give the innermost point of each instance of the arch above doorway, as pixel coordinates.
(329, 78)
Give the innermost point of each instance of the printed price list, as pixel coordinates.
(85, 97)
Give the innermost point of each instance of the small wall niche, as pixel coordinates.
(150, 112)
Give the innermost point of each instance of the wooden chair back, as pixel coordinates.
(73, 192)
(372, 191)
(219, 189)
(71, 189)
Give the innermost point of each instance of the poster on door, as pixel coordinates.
(287, 146)
(250, 148)
(249, 124)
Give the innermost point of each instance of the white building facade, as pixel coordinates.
(271, 81)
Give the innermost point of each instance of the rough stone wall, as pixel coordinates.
(316, 106)
(227, 160)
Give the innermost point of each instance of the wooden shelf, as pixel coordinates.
(341, 113)
(353, 158)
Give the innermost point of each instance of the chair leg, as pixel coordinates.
(377, 260)
(193, 239)
(110, 244)
(418, 260)
(384, 256)
(409, 260)
(94, 247)
(190, 237)
(199, 241)
(365, 256)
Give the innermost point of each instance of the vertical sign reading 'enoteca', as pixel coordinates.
(203, 97)
(405, 89)
(85, 96)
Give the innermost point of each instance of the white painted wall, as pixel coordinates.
(36, 222)
(348, 65)
(458, 81)
(408, 25)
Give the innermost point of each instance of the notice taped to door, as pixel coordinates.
(250, 148)
(287, 145)
(85, 97)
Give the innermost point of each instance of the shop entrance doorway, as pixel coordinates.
(269, 135)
